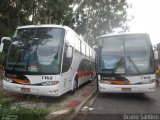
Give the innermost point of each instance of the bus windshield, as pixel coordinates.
(36, 50)
(127, 54)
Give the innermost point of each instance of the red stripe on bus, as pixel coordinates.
(84, 73)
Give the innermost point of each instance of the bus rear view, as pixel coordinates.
(125, 64)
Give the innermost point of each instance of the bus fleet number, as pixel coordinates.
(47, 77)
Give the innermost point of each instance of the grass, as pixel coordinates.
(11, 111)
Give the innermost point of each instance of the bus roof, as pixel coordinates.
(119, 34)
(44, 25)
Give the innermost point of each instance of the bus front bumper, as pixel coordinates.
(31, 89)
(144, 88)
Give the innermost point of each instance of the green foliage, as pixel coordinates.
(11, 14)
(100, 17)
(8, 111)
(53, 11)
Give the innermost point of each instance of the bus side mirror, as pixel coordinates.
(2, 43)
(156, 55)
(1, 47)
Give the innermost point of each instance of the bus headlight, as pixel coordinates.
(8, 80)
(104, 82)
(49, 83)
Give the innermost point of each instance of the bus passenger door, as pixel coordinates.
(67, 71)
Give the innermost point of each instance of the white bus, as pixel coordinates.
(125, 63)
(47, 60)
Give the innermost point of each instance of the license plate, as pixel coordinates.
(126, 89)
(25, 89)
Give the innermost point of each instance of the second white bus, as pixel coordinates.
(125, 63)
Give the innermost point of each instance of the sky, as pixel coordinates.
(146, 18)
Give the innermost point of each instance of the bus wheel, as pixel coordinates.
(75, 83)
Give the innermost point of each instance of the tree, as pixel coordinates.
(12, 14)
(100, 17)
(91, 19)
(52, 12)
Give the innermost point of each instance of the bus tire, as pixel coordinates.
(75, 83)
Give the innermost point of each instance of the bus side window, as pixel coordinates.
(67, 58)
